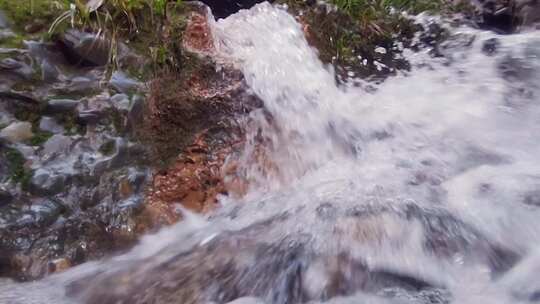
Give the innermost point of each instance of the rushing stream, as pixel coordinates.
(422, 189)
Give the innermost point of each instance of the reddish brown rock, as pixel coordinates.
(198, 36)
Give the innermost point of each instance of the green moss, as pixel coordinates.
(27, 115)
(70, 125)
(17, 171)
(108, 147)
(14, 42)
(39, 138)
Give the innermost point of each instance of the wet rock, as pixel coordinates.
(219, 271)
(45, 212)
(57, 145)
(26, 98)
(135, 112)
(3, 20)
(499, 16)
(46, 183)
(5, 196)
(326, 211)
(505, 16)
(82, 84)
(530, 13)
(6, 34)
(59, 265)
(194, 179)
(89, 117)
(121, 82)
(121, 153)
(224, 8)
(49, 124)
(490, 46)
(515, 69)
(49, 72)
(532, 198)
(120, 101)
(198, 37)
(17, 132)
(84, 49)
(34, 27)
(92, 110)
(247, 300)
(42, 213)
(17, 67)
(61, 105)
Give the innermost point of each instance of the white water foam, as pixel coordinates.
(452, 134)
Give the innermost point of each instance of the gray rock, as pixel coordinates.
(61, 105)
(17, 67)
(42, 213)
(89, 117)
(28, 152)
(247, 300)
(121, 101)
(45, 182)
(121, 82)
(491, 46)
(49, 124)
(49, 72)
(5, 196)
(17, 132)
(530, 13)
(3, 20)
(82, 84)
(132, 203)
(57, 144)
(5, 34)
(5, 118)
(135, 113)
(124, 153)
(84, 48)
(45, 212)
(137, 179)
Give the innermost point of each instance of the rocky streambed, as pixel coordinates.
(88, 159)
(92, 158)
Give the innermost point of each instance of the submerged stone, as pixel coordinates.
(46, 183)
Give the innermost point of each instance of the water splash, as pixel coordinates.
(423, 190)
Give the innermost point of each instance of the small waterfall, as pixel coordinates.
(424, 189)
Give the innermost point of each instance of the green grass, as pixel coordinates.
(348, 35)
(360, 7)
(22, 12)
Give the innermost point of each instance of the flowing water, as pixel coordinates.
(422, 189)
